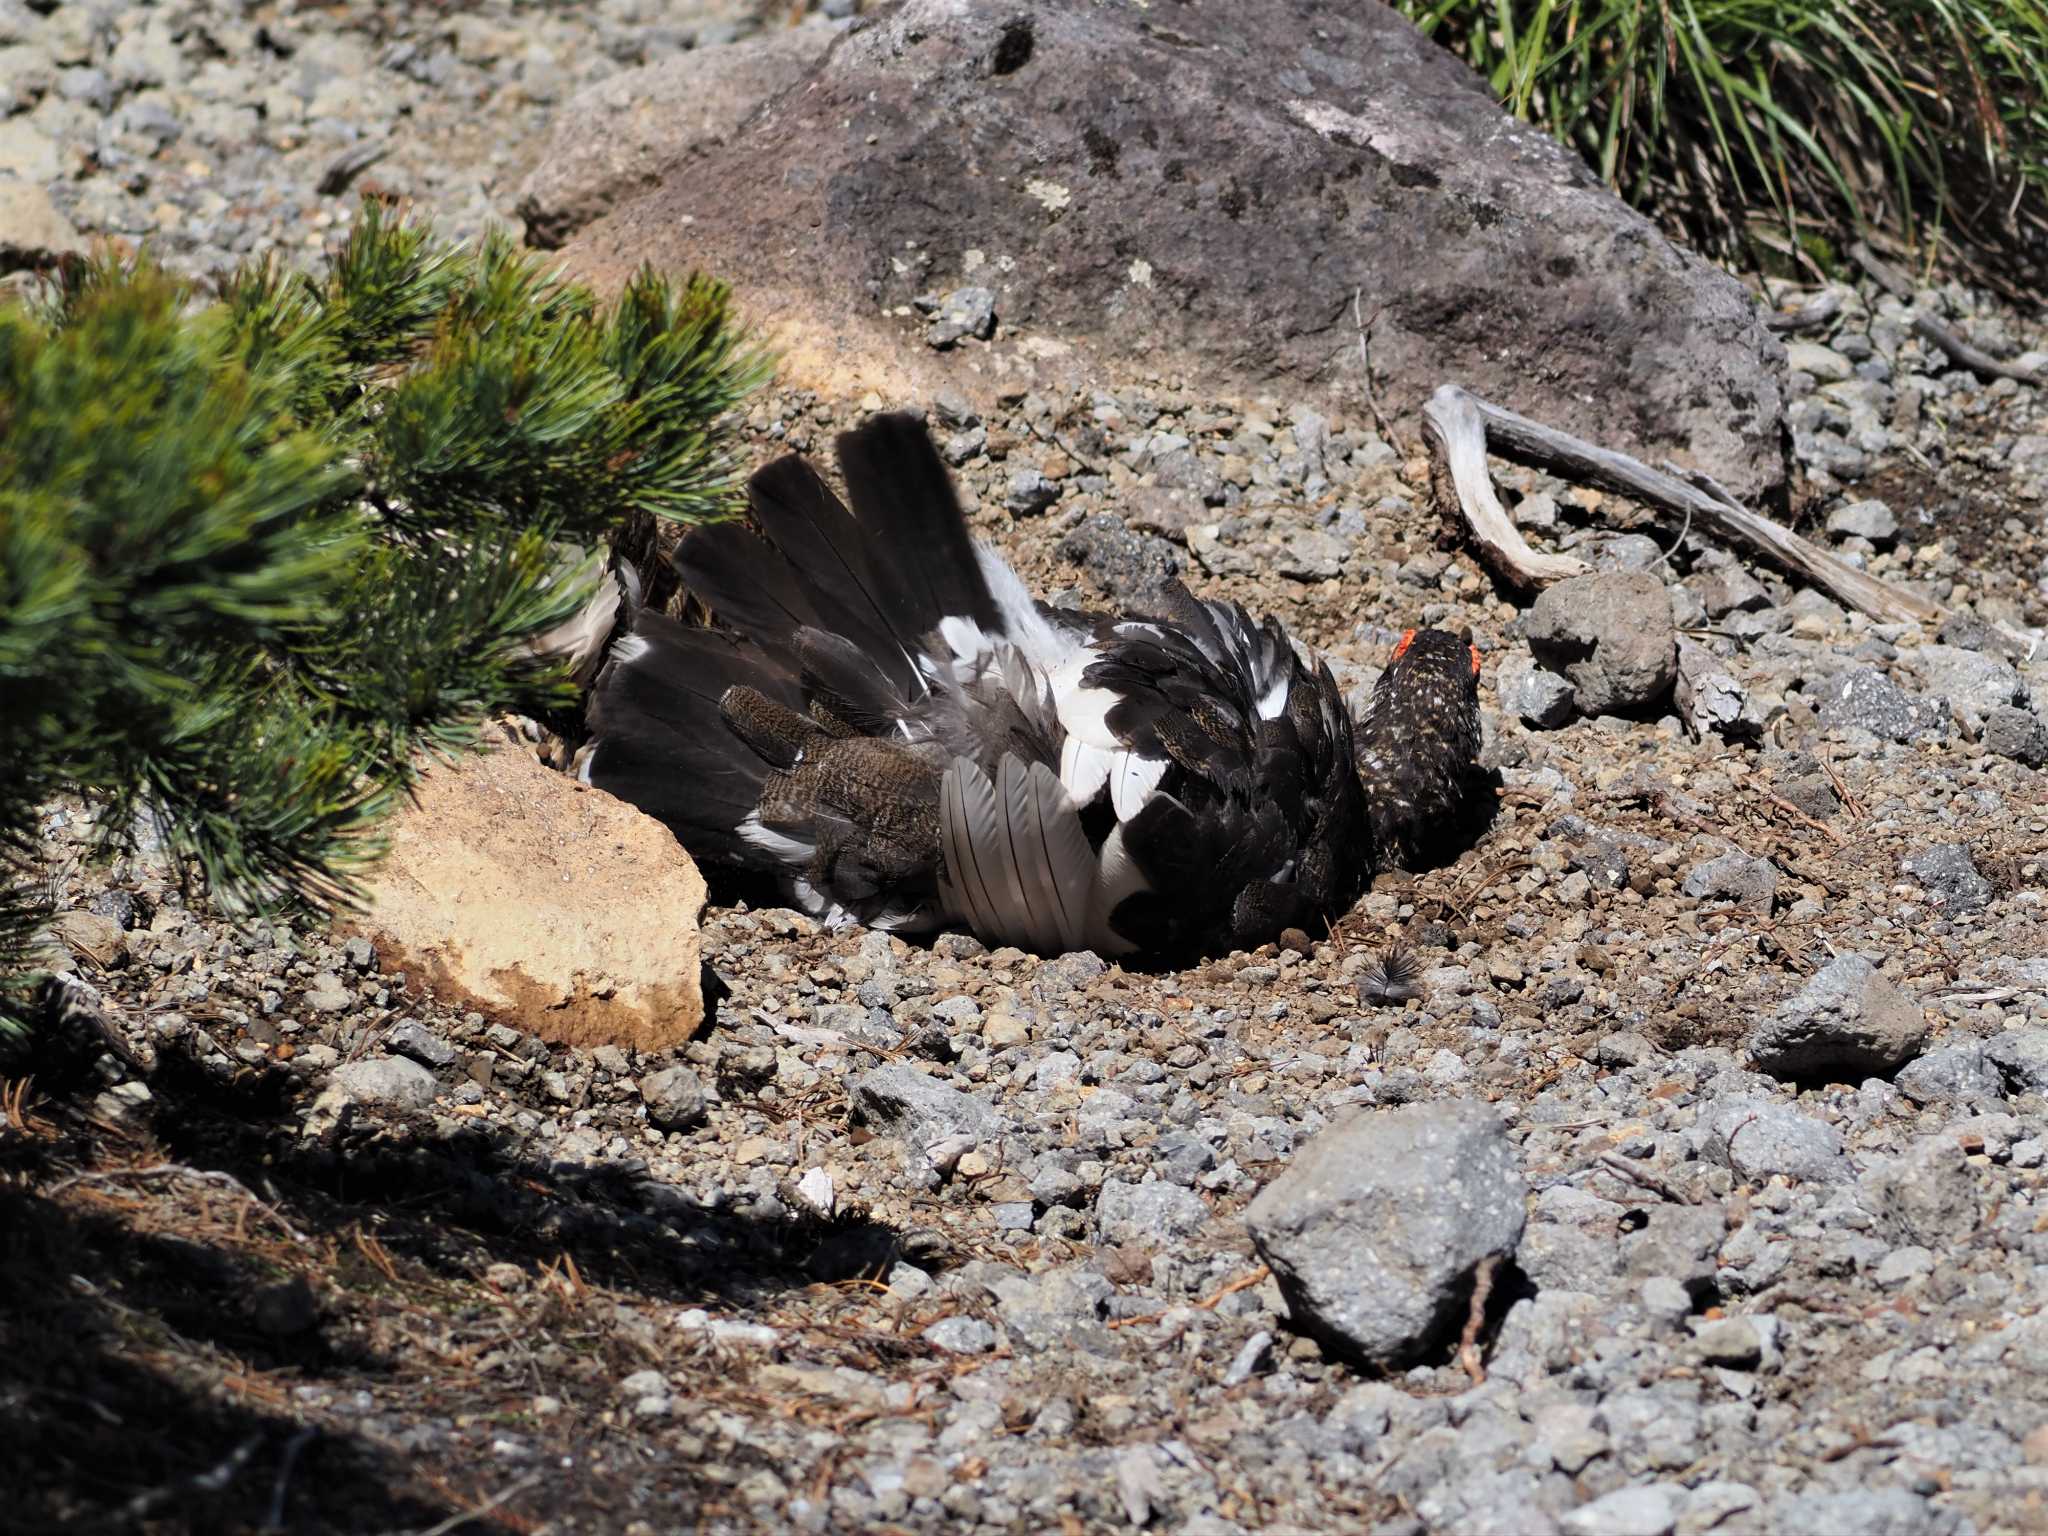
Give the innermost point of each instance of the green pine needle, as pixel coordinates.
(260, 555)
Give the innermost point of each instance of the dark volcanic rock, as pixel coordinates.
(1208, 186)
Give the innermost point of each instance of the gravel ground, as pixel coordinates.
(927, 1237)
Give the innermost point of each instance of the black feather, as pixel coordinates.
(904, 502)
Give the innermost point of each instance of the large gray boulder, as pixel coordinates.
(1375, 1229)
(1206, 188)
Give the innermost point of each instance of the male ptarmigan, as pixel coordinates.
(882, 718)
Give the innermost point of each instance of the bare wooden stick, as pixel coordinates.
(1960, 352)
(1456, 433)
(1461, 427)
(1956, 347)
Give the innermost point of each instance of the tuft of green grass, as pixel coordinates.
(1757, 122)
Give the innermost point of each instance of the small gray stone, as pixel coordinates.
(1149, 1215)
(962, 1335)
(1537, 696)
(1973, 683)
(1757, 1138)
(674, 1097)
(1123, 564)
(1750, 883)
(1928, 1196)
(1863, 698)
(1030, 493)
(1902, 1265)
(1611, 634)
(2021, 1057)
(920, 1110)
(1374, 1230)
(327, 994)
(384, 1080)
(1871, 520)
(361, 954)
(1949, 876)
(1955, 1074)
(409, 1037)
(1729, 589)
(2017, 733)
(963, 312)
(1647, 1511)
(1732, 1341)
(1849, 1021)
(1823, 364)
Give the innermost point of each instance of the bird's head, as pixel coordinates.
(1419, 743)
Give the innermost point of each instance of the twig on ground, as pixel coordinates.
(1956, 346)
(1834, 834)
(1208, 1303)
(1462, 428)
(1475, 1319)
(1372, 403)
(1623, 1169)
(455, 1522)
(179, 1171)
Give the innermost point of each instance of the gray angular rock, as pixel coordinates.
(1643, 1511)
(1709, 698)
(1863, 698)
(1927, 1196)
(1537, 696)
(2021, 1057)
(1149, 1215)
(1030, 493)
(1871, 520)
(1750, 883)
(1973, 683)
(1955, 1074)
(2017, 733)
(1848, 1022)
(1610, 633)
(1948, 874)
(674, 1098)
(960, 314)
(1124, 565)
(1757, 1138)
(1195, 194)
(409, 1037)
(920, 1110)
(383, 1080)
(1373, 1230)
(1866, 1511)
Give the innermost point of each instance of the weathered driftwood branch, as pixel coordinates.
(1953, 344)
(1461, 428)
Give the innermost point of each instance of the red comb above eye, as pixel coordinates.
(1475, 659)
(1401, 649)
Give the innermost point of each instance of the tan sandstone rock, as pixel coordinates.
(513, 889)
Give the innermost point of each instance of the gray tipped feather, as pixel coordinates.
(968, 834)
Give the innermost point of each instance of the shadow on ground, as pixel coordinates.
(178, 1354)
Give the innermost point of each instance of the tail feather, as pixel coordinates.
(662, 743)
(904, 501)
(829, 555)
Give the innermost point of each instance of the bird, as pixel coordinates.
(883, 720)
